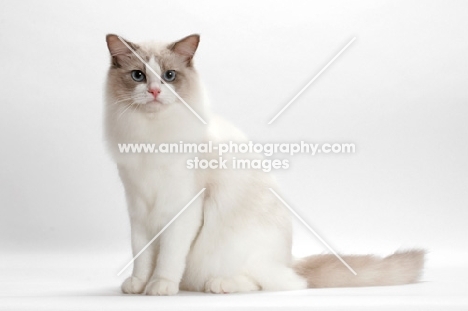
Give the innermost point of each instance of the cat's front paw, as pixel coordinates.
(162, 287)
(133, 285)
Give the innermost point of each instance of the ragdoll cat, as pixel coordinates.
(236, 236)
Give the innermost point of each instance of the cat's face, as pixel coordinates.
(132, 85)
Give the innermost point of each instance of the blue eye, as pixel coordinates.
(169, 75)
(138, 76)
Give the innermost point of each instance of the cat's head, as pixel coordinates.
(132, 84)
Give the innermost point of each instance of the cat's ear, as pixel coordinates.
(118, 50)
(186, 47)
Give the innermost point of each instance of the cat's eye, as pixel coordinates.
(169, 75)
(138, 76)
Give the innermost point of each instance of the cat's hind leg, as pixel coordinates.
(225, 285)
(278, 277)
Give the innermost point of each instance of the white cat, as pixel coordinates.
(236, 236)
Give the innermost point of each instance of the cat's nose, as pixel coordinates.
(155, 92)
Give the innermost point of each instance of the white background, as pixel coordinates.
(399, 93)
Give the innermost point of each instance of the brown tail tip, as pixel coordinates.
(326, 270)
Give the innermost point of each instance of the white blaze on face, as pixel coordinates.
(140, 93)
(166, 96)
(152, 80)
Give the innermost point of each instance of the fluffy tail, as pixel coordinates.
(327, 271)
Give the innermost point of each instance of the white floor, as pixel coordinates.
(83, 281)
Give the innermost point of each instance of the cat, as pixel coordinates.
(236, 236)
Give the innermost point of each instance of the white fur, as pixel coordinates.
(234, 238)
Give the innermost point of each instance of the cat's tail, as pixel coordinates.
(327, 271)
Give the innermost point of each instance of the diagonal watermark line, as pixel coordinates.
(160, 232)
(313, 231)
(159, 77)
(311, 81)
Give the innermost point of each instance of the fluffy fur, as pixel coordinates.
(237, 236)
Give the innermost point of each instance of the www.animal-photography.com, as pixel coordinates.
(210, 155)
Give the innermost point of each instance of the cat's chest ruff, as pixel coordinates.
(154, 164)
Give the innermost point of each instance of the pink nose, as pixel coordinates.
(155, 92)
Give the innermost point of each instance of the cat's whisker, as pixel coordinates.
(135, 108)
(128, 99)
(127, 96)
(122, 97)
(121, 114)
(122, 100)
